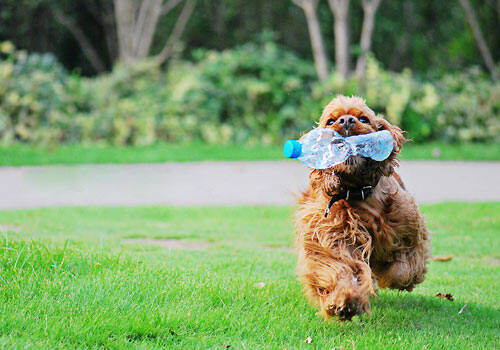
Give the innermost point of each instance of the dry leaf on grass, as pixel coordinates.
(308, 340)
(226, 346)
(447, 296)
(442, 258)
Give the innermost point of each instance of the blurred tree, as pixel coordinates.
(478, 35)
(129, 27)
(340, 10)
(369, 10)
(85, 44)
(318, 48)
(136, 25)
(407, 33)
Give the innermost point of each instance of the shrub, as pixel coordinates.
(34, 98)
(470, 108)
(255, 93)
(249, 94)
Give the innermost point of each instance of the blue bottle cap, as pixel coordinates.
(292, 149)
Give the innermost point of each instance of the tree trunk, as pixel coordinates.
(478, 35)
(124, 17)
(136, 23)
(369, 10)
(319, 53)
(340, 10)
(146, 26)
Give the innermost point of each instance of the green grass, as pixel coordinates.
(68, 279)
(17, 155)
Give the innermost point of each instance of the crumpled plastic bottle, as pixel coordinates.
(323, 148)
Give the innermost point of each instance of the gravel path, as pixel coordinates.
(221, 183)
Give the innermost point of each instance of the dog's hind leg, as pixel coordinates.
(407, 270)
(402, 263)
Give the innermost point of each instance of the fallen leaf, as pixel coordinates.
(260, 285)
(226, 346)
(442, 258)
(308, 340)
(462, 309)
(445, 296)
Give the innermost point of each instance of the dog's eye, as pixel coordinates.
(364, 120)
(330, 122)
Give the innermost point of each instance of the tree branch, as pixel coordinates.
(320, 59)
(370, 10)
(478, 35)
(166, 8)
(176, 32)
(81, 38)
(146, 26)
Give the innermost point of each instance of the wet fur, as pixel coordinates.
(382, 240)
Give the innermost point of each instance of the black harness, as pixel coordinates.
(348, 193)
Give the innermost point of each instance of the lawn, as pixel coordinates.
(16, 155)
(79, 278)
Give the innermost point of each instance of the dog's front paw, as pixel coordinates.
(348, 309)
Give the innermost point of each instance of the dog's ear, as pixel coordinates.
(390, 163)
(396, 132)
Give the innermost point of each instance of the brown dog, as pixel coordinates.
(373, 231)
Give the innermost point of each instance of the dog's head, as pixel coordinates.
(351, 116)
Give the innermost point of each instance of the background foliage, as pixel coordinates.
(423, 35)
(255, 93)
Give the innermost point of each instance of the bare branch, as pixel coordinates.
(370, 10)
(176, 32)
(145, 26)
(109, 24)
(302, 3)
(319, 53)
(166, 8)
(87, 48)
(478, 35)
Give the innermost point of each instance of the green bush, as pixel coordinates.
(257, 93)
(34, 98)
(250, 94)
(457, 107)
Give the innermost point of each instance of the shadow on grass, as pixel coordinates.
(401, 310)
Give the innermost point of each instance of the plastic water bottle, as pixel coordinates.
(325, 148)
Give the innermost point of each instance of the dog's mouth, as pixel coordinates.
(356, 163)
(355, 160)
(349, 132)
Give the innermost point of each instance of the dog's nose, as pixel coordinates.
(347, 121)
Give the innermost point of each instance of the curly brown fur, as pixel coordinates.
(382, 238)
